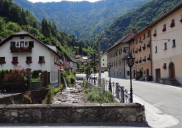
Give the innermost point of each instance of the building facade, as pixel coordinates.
(117, 54)
(104, 61)
(167, 45)
(25, 50)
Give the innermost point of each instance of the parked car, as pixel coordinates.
(102, 71)
(93, 76)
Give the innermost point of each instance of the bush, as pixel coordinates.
(50, 94)
(84, 83)
(35, 74)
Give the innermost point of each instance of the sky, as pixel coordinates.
(34, 1)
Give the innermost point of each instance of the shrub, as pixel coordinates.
(17, 75)
(35, 74)
(50, 94)
(84, 83)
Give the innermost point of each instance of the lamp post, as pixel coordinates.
(131, 60)
(109, 66)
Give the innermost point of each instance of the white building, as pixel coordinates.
(104, 61)
(25, 50)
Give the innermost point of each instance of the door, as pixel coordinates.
(172, 70)
(158, 75)
(22, 44)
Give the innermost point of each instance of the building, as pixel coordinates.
(140, 47)
(167, 46)
(116, 55)
(71, 62)
(104, 61)
(78, 57)
(29, 52)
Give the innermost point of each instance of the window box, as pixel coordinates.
(164, 66)
(154, 34)
(164, 29)
(140, 61)
(55, 63)
(143, 47)
(2, 62)
(180, 20)
(136, 51)
(17, 49)
(144, 60)
(172, 24)
(14, 62)
(148, 45)
(40, 62)
(28, 61)
(136, 62)
(148, 58)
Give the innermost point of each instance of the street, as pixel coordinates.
(164, 97)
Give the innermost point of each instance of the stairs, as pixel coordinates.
(170, 81)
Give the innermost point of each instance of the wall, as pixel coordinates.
(63, 113)
(171, 54)
(104, 61)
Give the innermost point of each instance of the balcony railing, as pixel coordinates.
(24, 49)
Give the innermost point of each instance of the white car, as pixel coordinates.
(93, 76)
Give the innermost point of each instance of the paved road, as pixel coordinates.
(164, 97)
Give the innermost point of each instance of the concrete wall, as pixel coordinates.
(72, 113)
(171, 54)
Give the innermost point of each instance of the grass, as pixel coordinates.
(35, 79)
(97, 95)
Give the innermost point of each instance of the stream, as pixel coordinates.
(72, 94)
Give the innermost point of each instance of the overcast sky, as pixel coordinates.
(34, 1)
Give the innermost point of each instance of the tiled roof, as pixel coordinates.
(125, 39)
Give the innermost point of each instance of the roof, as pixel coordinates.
(164, 15)
(77, 56)
(85, 57)
(71, 58)
(103, 54)
(125, 39)
(24, 33)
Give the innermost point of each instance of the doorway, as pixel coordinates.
(158, 75)
(171, 70)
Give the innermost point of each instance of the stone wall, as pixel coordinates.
(68, 113)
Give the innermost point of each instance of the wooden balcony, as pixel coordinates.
(24, 49)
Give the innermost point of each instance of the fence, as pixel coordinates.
(117, 90)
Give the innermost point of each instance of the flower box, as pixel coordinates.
(148, 45)
(40, 62)
(154, 34)
(144, 60)
(136, 62)
(14, 62)
(143, 47)
(164, 29)
(180, 20)
(136, 51)
(148, 58)
(55, 63)
(172, 24)
(164, 67)
(2, 62)
(28, 61)
(140, 61)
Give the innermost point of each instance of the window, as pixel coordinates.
(21, 44)
(148, 33)
(31, 43)
(149, 55)
(133, 51)
(174, 43)
(21, 37)
(165, 46)
(140, 58)
(144, 36)
(128, 73)
(136, 41)
(13, 44)
(155, 49)
(145, 57)
(29, 58)
(41, 58)
(172, 23)
(103, 64)
(164, 28)
(15, 59)
(103, 59)
(140, 39)
(2, 59)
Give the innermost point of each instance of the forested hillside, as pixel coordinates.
(82, 19)
(137, 19)
(13, 19)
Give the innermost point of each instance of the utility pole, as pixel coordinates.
(99, 40)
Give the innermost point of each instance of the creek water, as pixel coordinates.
(72, 94)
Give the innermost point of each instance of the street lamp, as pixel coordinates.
(109, 67)
(131, 60)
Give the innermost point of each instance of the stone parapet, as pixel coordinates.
(68, 113)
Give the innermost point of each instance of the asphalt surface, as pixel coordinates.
(166, 98)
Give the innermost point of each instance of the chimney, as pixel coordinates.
(133, 30)
(26, 29)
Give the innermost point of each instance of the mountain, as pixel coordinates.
(138, 18)
(82, 19)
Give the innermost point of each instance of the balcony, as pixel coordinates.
(24, 49)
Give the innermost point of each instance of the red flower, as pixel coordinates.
(148, 45)
(164, 29)
(136, 62)
(164, 66)
(180, 20)
(172, 24)
(140, 61)
(154, 34)
(144, 59)
(148, 58)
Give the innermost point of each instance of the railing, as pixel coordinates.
(14, 87)
(24, 49)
